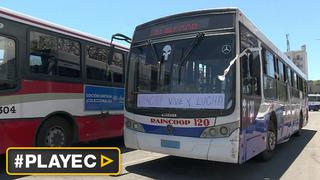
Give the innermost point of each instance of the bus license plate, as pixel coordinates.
(170, 144)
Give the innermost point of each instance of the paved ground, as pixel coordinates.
(296, 159)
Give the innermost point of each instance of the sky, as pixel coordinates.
(275, 18)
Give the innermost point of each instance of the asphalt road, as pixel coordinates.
(296, 159)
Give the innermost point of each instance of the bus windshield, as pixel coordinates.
(314, 98)
(180, 67)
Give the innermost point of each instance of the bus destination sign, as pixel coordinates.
(184, 25)
(180, 27)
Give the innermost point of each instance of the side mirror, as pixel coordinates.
(120, 37)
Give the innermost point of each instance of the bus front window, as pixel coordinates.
(171, 68)
(7, 63)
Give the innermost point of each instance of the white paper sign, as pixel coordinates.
(188, 101)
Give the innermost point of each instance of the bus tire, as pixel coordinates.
(298, 133)
(271, 143)
(54, 132)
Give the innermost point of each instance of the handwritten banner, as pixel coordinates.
(187, 101)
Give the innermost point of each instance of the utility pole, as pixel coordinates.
(288, 43)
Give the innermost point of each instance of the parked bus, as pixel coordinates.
(314, 102)
(209, 85)
(56, 86)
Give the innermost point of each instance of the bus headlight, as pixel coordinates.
(223, 130)
(212, 131)
(133, 125)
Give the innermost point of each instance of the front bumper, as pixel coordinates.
(215, 149)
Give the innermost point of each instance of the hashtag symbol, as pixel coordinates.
(18, 161)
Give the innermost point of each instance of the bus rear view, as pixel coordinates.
(186, 89)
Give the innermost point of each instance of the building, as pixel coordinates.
(314, 87)
(299, 58)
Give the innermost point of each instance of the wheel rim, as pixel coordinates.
(55, 137)
(271, 140)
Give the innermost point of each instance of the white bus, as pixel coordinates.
(314, 102)
(209, 85)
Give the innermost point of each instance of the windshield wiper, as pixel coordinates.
(198, 39)
(154, 51)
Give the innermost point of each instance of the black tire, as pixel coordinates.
(298, 133)
(271, 143)
(55, 132)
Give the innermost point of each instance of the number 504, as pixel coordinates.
(7, 109)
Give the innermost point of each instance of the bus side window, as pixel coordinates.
(270, 84)
(269, 64)
(251, 74)
(281, 86)
(250, 63)
(117, 71)
(288, 81)
(96, 63)
(54, 56)
(256, 69)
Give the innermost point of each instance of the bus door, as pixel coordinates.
(251, 126)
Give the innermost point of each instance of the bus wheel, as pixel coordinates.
(55, 132)
(271, 143)
(298, 133)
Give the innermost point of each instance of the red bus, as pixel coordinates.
(57, 86)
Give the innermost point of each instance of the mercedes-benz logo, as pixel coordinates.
(170, 129)
(226, 49)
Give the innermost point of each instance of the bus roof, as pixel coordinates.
(189, 13)
(266, 41)
(314, 95)
(242, 18)
(26, 19)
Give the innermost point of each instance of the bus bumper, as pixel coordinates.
(314, 108)
(217, 149)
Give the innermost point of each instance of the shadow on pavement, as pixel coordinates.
(3, 175)
(114, 142)
(171, 167)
